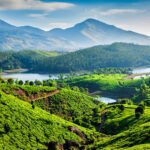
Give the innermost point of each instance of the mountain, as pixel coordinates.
(93, 32)
(5, 26)
(89, 33)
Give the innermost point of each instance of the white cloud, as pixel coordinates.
(33, 5)
(41, 15)
(53, 25)
(111, 12)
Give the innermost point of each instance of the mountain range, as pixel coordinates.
(88, 33)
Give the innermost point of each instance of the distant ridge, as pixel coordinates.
(88, 33)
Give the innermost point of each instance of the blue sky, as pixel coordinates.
(47, 14)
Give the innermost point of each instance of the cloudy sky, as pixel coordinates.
(47, 14)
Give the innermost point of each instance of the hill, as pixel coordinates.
(88, 33)
(23, 59)
(23, 127)
(115, 55)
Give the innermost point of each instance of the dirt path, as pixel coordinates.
(46, 96)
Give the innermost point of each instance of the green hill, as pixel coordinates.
(104, 56)
(73, 106)
(115, 55)
(115, 85)
(22, 127)
(70, 121)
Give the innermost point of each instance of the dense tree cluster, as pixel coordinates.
(113, 56)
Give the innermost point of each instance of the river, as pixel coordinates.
(30, 76)
(106, 100)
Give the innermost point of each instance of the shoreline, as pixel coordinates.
(14, 71)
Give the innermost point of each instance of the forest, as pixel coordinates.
(107, 56)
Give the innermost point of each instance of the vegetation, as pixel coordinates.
(113, 56)
(70, 118)
(23, 59)
(69, 105)
(22, 127)
(113, 84)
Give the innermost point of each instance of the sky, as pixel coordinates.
(131, 15)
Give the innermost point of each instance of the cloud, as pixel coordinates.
(33, 5)
(61, 25)
(111, 12)
(41, 15)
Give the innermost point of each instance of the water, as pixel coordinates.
(106, 100)
(30, 76)
(141, 70)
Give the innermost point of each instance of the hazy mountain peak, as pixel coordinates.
(88, 33)
(4, 25)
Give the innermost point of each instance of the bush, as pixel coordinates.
(139, 109)
(20, 82)
(10, 81)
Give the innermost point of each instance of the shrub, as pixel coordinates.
(20, 82)
(10, 81)
(139, 109)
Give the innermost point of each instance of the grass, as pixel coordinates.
(71, 105)
(130, 133)
(113, 83)
(22, 127)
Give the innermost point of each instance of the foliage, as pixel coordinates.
(22, 127)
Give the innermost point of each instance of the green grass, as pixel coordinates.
(48, 53)
(113, 83)
(118, 121)
(22, 127)
(72, 105)
(129, 130)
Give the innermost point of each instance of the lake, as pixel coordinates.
(30, 76)
(35, 76)
(141, 70)
(106, 100)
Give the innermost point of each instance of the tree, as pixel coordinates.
(139, 109)
(10, 81)
(20, 82)
(27, 82)
(31, 83)
(37, 82)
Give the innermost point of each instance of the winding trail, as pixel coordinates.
(46, 96)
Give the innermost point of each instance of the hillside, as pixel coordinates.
(29, 127)
(69, 105)
(115, 55)
(23, 59)
(88, 33)
(23, 127)
(126, 127)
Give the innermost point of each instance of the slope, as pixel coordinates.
(22, 127)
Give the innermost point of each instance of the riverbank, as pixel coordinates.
(20, 70)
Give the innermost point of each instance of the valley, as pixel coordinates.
(74, 75)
